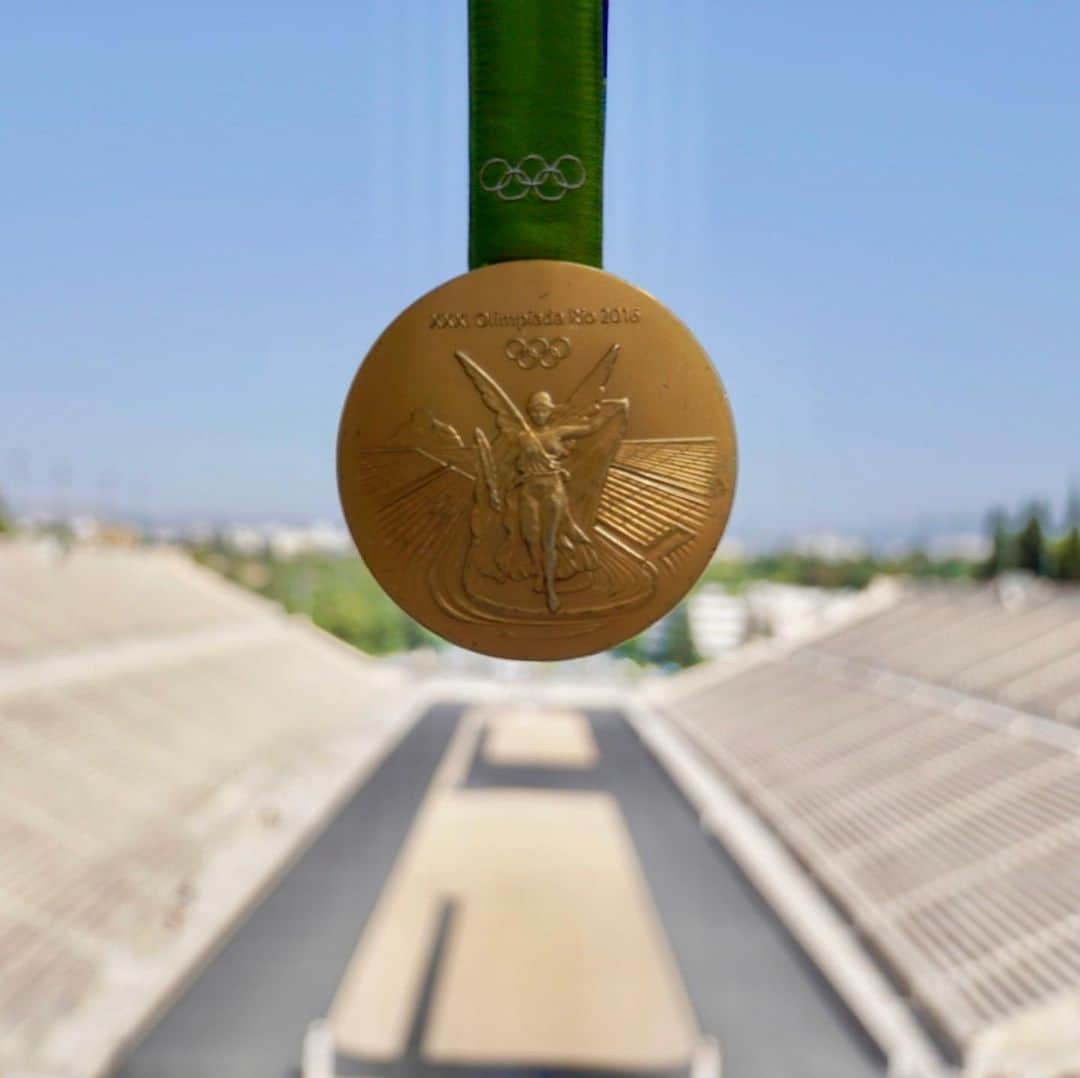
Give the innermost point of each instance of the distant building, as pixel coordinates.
(317, 538)
(783, 610)
(830, 546)
(718, 621)
(244, 539)
(962, 546)
(286, 540)
(731, 550)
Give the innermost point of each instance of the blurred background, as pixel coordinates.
(867, 215)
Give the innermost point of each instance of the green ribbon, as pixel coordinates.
(536, 130)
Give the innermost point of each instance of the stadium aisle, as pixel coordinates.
(493, 871)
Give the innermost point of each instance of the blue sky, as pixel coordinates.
(868, 213)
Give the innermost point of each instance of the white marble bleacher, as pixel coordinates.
(151, 717)
(919, 766)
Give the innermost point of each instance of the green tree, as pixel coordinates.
(1001, 545)
(1031, 552)
(1068, 552)
(5, 519)
(1072, 507)
(634, 649)
(1068, 559)
(679, 646)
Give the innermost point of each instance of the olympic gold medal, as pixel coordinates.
(536, 460)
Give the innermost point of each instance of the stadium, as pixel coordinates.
(234, 846)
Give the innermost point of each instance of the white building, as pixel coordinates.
(718, 621)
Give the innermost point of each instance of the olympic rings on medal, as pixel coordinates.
(527, 354)
(532, 175)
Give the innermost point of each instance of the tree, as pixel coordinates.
(634, 649)
(1072, 507)
(1068, 559)
(1001, 545)
(1031, 545)
(6, 523)
(679, 646)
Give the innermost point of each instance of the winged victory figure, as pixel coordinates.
(543, 475)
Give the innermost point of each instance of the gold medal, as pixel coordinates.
(536, 460)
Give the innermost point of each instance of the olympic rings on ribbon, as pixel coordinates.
(527, 354)
(532, 175)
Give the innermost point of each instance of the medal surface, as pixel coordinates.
(536, 460)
